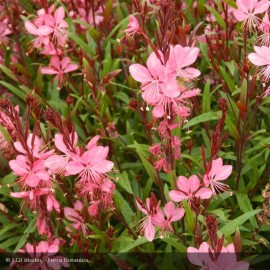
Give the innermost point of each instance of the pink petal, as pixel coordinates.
(52, 249)
(183, 184)
(204, 193)
(151, 93)
(18, 167)
(32, 180)
(240, 15)
(55, 62)
(154, 66)
(23, 194)
(65, 62)
(194, 183)
(149, 232)
(74, 167)
(71, 214)
(177, 214)
(261, 7)
(177, 196)
(42, 247)
(103, 166)
(93, 142)
(59, 15)
(158, 111)
(140, 73)
(48, 70)
(59, 143)
(70, 68)
(19, 148)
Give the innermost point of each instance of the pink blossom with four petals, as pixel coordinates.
(218, 172)
(59, 67)
(188, 188)
(247, 11)
(261, 57)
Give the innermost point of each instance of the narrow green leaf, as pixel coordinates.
(9, 73)
(134, 244)
(175, 243)
(123, 181)
(206, 98)
(30, 229)
(16, 91)
(229, 81)
(245, 206)
(205, 117)
(230, 227)
(189, 217)
(217, 16)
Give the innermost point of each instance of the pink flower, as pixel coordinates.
(4, 32)
(151, 78)
(57, 163)
(43, 227)
(179, 60)
(261, 57)
(133, 26)
(218, 172)
(171, 214)
(58, 25)
(248, 9)
(87, 16)
(59, 68)
(30, 174)
(74, 215)
(206, 258)
(35, 147)
(150, 209)
(265, 28)
(52, 203)
(46, 252)
(200, 256)
(42, 33)
(32, 194)
(188, 189)
(92, 165)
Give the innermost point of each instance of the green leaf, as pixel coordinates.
(230, 227)
(30, 229)
(229, 81)
(205, 117)
(9, 73)
(8, 179)
(232, 128)
(147, 165)
(122, 96)
(10, 242)
(189, 217)
(206, 98)
(217, 16)
(245, 206)
(134, 244)
(8, 227)
(123, 206)
(175, 242)
(16, 91)
(123, 181)
(84, 46)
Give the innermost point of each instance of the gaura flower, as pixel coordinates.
(261, 57)
(247, 11)
(218, 172)
(188, 189)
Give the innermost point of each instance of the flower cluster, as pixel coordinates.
(51, 33)
(166, 86)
